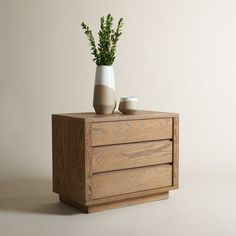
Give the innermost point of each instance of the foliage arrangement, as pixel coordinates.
(104, 54)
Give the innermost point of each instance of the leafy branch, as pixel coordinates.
(104, 54)
(91, 39)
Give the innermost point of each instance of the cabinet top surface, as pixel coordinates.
(91, 116)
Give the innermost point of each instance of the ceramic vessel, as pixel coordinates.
(128, 105)
(104, 97)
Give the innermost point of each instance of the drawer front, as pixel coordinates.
(123, 156)
(131, 131)
(131, 180)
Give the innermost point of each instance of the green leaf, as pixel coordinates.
(104, 52)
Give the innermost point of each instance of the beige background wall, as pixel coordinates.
(174, 55)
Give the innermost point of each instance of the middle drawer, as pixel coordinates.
(124, 156)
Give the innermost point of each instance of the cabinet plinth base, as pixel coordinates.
(116, 204)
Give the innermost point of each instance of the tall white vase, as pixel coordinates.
(104, 97)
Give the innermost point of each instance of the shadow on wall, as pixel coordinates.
(32, 196)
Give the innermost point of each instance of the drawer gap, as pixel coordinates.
(146, 166)
(145, 141)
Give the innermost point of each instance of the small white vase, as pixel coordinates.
(104, 97)
(128, 105)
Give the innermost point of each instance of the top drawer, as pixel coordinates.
(131, 131)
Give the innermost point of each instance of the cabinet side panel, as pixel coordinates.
(88, 161)
(58, 154)
(176, 151)
(74, 175)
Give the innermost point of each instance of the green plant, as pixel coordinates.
(104, 54)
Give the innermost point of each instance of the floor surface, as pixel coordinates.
(202, 206)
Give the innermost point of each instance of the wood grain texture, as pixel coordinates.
(131, 131)
(117, 116)
(58, 153)
(125, 164)
(176, 151)
(88, 161)
(131, 180)
(107, 158)
(130, 195)
(128, 202)
(69, 158)
(116, 204)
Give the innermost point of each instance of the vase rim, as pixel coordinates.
(128, 99)
(104, 66)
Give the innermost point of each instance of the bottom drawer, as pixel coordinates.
(131, 180)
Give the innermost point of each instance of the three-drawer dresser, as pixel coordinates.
(109, 161)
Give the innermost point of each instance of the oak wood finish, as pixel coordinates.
(68, 161)
(143, 193)
(176, 151)
(131, 131)
(58, 151)
(131, 180)
(107, 161)
(116, 204)
(117, 116)
(88, 161)
(108, 158)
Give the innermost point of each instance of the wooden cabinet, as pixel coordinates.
(108, 161)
